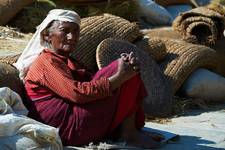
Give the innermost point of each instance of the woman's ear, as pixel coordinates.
(45, 36)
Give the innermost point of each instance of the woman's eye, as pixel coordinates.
(63, 30)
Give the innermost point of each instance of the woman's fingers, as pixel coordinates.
(136, 68)
(125, 57)
(132, 60)
(131, 55)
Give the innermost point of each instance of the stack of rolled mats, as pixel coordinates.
(176, 58)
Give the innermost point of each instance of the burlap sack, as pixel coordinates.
(9, 77)
(183, 58)
(97, 28)
(206, 85)
(9, 8)
(159, 100)
(154, 47)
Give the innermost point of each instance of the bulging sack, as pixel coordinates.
(9, 77)
(153, 13)
(206, 85)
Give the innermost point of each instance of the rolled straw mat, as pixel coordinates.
(183, 58)
(166, 33)
(9, 77)
(200, 25)
(159, 99)
(219, 47)
(152, 46)
(97, 28)
(162, 32)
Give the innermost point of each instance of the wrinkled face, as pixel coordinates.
(63, 37)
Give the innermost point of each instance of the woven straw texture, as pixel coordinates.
(159, 99)
(97, 28)
(165, 32)
(183, 58)
(219, 47)
(9, 77)
(10, 59)
(200, 25)
(154, 47)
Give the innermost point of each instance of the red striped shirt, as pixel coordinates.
(61, 76)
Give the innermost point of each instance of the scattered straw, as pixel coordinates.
(10, 32)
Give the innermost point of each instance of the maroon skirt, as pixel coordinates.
(85, 123)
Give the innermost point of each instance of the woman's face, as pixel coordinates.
(63, 37)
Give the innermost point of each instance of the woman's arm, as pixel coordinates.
(128, 66)
(56, 75)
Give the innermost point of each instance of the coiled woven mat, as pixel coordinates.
(159, 100)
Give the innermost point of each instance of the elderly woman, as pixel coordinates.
(85, 107)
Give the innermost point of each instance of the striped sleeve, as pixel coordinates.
(57, 76)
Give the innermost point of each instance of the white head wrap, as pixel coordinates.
(35, 47)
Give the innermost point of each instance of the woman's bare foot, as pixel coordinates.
(156, 136)
(140, 139)
(136, 138)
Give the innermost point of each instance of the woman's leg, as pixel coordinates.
(129, 113)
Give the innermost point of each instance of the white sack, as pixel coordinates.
(21, 142)
(175, 10)
(14, 124)
(206, 85)
(153, 13)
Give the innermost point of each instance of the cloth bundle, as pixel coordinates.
(14, 125)
(200, 25)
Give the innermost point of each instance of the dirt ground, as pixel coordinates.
(12, 41)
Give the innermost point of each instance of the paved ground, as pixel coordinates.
(197, 130)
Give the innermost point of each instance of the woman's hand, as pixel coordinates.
(132, 60)
(127, 68)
